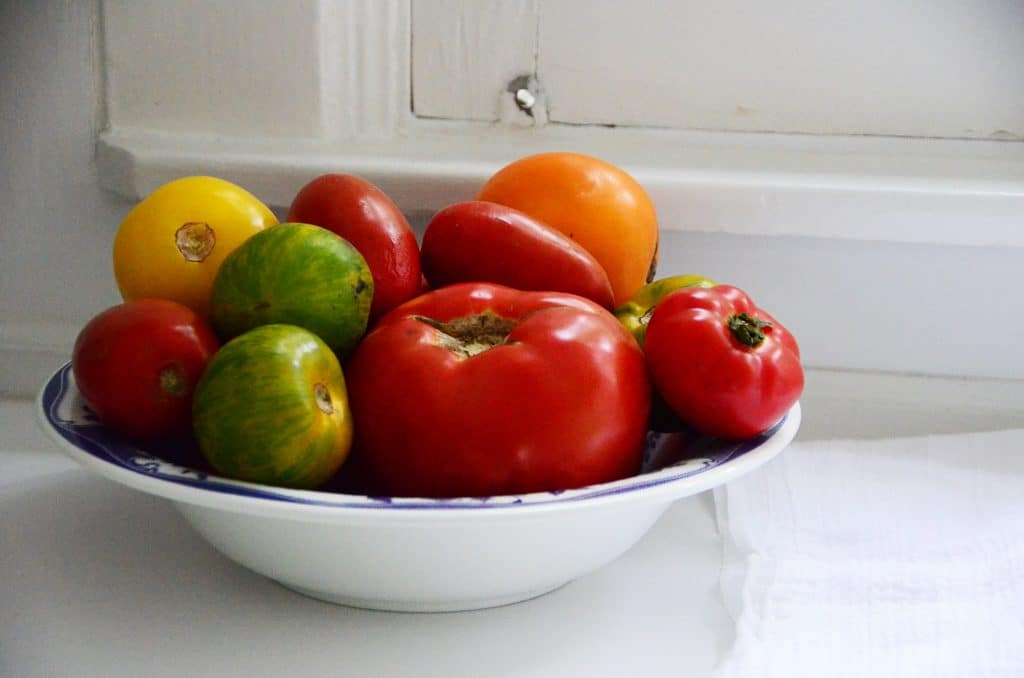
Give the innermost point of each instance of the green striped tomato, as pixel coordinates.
(297, 274)
(272, 408)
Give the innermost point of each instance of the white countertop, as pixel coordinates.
(99, 580)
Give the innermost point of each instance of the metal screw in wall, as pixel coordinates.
(524, 90)
(525, 99)
(525, 96)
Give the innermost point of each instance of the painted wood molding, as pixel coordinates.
(966, 193)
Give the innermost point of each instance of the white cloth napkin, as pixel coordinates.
(900, 557)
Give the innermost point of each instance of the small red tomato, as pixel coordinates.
(137, 364)
(723, 365)
(364, 215)
(478, 389)
(480, 241)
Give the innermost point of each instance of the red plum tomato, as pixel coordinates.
(479, 241)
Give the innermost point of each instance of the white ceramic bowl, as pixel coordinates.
(413, 554)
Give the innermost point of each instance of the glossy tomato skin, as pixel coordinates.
(296, 274)
(593, 202)
(706, 372)
(480, 241)
(364, 215)
(272, 408)
(137, 365)
(171, 245)
(561, 402)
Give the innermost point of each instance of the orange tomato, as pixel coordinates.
(593, 202)
(171, 245)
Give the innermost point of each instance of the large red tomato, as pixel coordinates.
(137, 365)
(364, 215)
(477, 390)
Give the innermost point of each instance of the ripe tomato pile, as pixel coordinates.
(525, 346)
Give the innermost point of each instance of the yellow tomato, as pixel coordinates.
(171, 245)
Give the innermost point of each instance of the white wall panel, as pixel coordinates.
(218, 66)
(56, 224)
(464, 52)
(364, 77)
(928, 68)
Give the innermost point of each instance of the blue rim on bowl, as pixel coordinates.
(707, 462)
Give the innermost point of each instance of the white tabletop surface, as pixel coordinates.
(99, 580)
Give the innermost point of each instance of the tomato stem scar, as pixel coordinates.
(471, 335)
(747, 330)
(195, 240)
(323, 398)
(172, 381)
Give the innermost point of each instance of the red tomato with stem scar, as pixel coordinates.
(724, 366)
(137, 365)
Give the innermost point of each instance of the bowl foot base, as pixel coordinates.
(388, 605)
